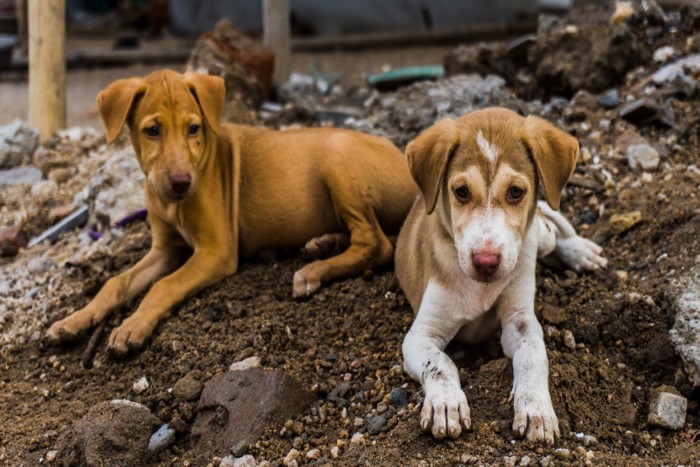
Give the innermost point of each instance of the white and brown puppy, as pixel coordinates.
(466, 257)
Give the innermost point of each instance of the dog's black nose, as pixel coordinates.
(486, 263)
(180, 182)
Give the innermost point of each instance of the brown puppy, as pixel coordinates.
(224, 192)
(466, 257)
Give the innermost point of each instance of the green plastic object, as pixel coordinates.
(402, 76)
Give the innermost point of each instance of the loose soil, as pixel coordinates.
(352, 331)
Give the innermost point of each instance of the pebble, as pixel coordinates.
(293, 455)
(51, 456)
(562, 454)
(335, 452)
(663, 54)
(141, 385)
(313, 454)
(667, 410)
(525, 460)
(642, 156)
(569, 341)
(189, 387)
(620, 223)
(357, 438)
(60, 175)
(609, 99)
(228, 461)
(44, 190)
(248, 363)
(375, 424)
(161, 439)
(399, 397)
(245, 461)
(17, 141)
(12, 239)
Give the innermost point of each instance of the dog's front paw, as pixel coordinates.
(69, 328)
(445, 412)
(580, 254)
(305, 282)
(130, 335)
(534, 417)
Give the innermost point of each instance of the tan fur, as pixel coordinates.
(251, 189)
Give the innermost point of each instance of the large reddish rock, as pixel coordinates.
(236, 406)
(245, 65)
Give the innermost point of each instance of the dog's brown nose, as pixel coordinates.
(180, 182)
(486, 262)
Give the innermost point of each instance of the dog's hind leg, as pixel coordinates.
(559, 238)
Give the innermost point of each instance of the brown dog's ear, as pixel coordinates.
(555, 153)
(210, 93)
(427, 157)
(115, 102)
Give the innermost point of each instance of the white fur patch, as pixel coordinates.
(488, 149)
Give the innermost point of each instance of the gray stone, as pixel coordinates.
(375, 424)
(245, 461)
(26, 175)
(118, 431)
(44, 191)
(17, 141)
(399, 397)
(686, 327)
(609, 99)
(161, 439)
(642, 156)
(667, 410)
(645, 111)
(236, 406)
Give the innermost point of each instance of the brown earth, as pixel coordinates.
(352, 330)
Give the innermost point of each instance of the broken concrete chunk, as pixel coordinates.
(26, 175)
(667, 409)
(620, 223)
(235, 407)
(686, 327)
(119, 432)
(17, 141)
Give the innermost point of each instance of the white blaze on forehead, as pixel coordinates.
(488, 149)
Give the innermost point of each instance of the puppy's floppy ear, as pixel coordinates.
(210, 93)
(555, 153)
(427, 157)
(115, 103)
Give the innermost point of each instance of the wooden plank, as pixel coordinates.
(47, 67)
(277, 35)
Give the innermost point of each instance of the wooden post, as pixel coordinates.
(47, 66)
(277, 36)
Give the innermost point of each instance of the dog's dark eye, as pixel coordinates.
(152, 131)
(515, 194)
(462, 194)
(193, 130)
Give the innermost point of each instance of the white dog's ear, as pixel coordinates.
(115, 102)
(427, 157)
(555, 153)
(210, 93)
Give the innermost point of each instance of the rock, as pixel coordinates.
(12, 239)
(664, 54)
(245, 65)
(686, 327)
(628, 138)
(667, 409)
(245, 461)
(645, 111)
(118, 431)
(569, 341)
(335, 452)
(358, 438)
(642, 156)
(236, 406)
(60, 175)
(228, 461)
(609, 99)
(620, 223)
(189, 387)
(313, 454)
(115, 191)
(26, 175)
(375, 424)
(44, 191)
(339, 391)
(292, 455)
(161, 439)
(399, 397)
(562, 454)
(60, 212)
(141, 385)
(483, 59)
(554, 315)
(51, 456)
(40, 264)
(248, 363)
(17, 141)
